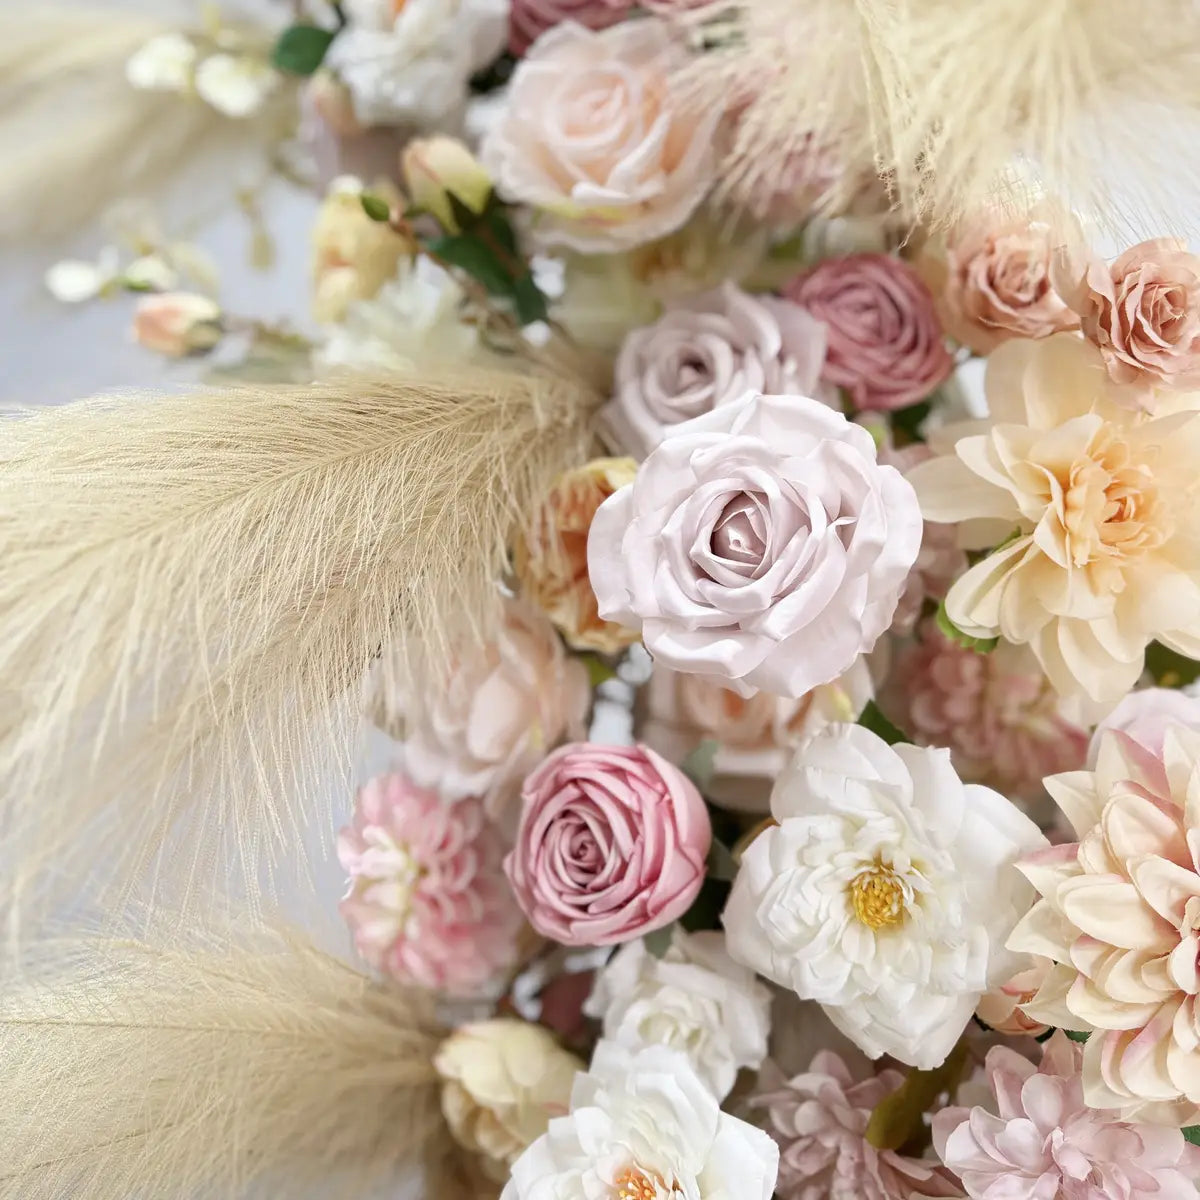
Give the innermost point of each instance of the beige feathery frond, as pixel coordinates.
(194, 586)
(192, 1069)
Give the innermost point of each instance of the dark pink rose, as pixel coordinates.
(529, 19)
(885, 345)
(612, 844)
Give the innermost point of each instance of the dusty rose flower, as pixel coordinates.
(819, 1119)
(884, 343)
(529, 19)
(552, 563)
(1145, 716)
(992, 283)
(997, 713)
(756, 734)
(427, 901)
(761, 543)
(1143, 312)
(1044, 1142)
(705, 351)
(596, 141)
(1001, 1007)
(177, 324)
(501, 709)
(612, 844)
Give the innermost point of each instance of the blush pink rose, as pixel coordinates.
(885, 344)
(1145, 716)
(612, 843)
(529, 19)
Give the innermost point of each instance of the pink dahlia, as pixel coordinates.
(427, 901)
(820, 1120)
(997, 712)
(1044, 1142)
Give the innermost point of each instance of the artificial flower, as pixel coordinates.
(551, 562)
(236, 85)
(819, 1120)
(1095, 507)
(693, 997)
(1120, 916)
(163, 64)
(427, 902)
(529, 19)
(502, 707)
(705, 351)
(595, 139)
(884, 343)
(761, 543)
(885, 891)
(1143, 312)
(643, 1126)
(991, 282)
(611, 844)
(177, 324)
(1145, 716)
(754, 735)
(1002, 1008)
(502, 1082)
(1039, 1139)
(437, 168)
(1003, 723)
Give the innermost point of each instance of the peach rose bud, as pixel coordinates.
(437, 168)
(177, 324)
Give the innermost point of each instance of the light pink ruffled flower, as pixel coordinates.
(529, 19)
(820, 1120)
(612, 844)
(760, 543)
(885, 344)
(1000, 1008)
(427, 902)
(1044, 1142)
(997, 713)
(1145, 716)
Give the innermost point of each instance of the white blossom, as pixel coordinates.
(236, 85)
(164, 64)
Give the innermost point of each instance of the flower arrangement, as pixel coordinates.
(759, 763)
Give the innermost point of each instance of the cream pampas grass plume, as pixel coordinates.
(189, 1068)
(194, 587)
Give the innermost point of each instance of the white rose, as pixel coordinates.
(695, 998)
(886, 891)
(643, 1126)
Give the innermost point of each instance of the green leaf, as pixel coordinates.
(1191, 1133)
(528, 300)
(956, 635)
(499, 227)
(721, 864)
(698, 766)
(376, 207)
(1169, 667)
(907, 422)
(872, 718)
(301, 49)
(1077, 1035)
(479, 261)
(706, 909)
(599, 670)
(658, 941)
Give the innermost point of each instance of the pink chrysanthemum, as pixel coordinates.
(820, 1120)
(427, 902)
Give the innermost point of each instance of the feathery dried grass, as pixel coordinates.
(196, 1068)
(194, 586)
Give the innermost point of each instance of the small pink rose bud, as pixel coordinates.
(331, 101)
(177, 324)
(436, 168)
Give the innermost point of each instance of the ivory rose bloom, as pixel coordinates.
(884, 343)
(761, 544)
(694, 997)
(502, 1082)
(885, 891)
(643, 1126)
(1120, 916)
(612, 844)
(756, 734)
(596, 141)
(552, 563)
(529, 19)
(705, 351)
(1098, 506)
(502, 707)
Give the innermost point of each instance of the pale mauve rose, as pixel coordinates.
(595, 138)
(705, 351)
(761, 544)
(885, 343)
(612, 844)
(529, 19)
(992, 283)
(1145, 716)
(755, 734)
(177, 324)
(1000, 1009)
(551, 563)
(1143, 312)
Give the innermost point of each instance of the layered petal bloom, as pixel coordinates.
(1146, 715)
(1099, 506)
(529, 19)
(760, 543)
(643, 1126)
(694, 997)
(1043, 1141)
(819, 1118)
(427, 901)
(1120, 916)
(885, 892)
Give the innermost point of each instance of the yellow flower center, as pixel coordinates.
(634, 1184)
(877, 896)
